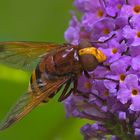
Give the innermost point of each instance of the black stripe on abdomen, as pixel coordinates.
(38, 78)
(37, 72)
(32, 79)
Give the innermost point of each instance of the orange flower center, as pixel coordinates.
(114, 50)
(106, 31)
(87, 85)
(119, 6)
(122, 77)
(137, 9)
(138, 34)
(134, 92)
(100, 13)
(106, 93)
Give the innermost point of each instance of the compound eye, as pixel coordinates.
(89, 62)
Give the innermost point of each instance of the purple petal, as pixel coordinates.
(121, 21)
(134, 51)
(119, 66)
(100, 71)
(110, 84)
(137, 131)
(126, 10)
(87, 5)
(131, 81)
(136, 63)
(134, 22)
(135, 103)
(136, 41)
(128, 32)
(122, 115)
(124, 95)
(134, 2)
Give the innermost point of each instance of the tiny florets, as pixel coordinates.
(113, 88)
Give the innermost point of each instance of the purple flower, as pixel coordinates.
(113, 7)
(130, 10)
(102, 28)
(89, 19)
(84, 84)
(113, 50)
(72, 34)
(133, 33)
(94, 131)
(111, 96)
(130, 91)
(88, 5)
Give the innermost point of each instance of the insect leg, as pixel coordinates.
(65, 94)
(86, 74)
(102, 78)
(75, 86)
(104, 40)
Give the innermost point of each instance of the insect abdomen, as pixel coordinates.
(41, 82)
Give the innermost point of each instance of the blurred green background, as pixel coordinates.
(34, 20)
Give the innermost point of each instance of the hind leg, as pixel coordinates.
(65, 94)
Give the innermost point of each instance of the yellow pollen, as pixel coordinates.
(95, 52)
(87, 85)
(134, 92)
(137, 9)
(122, 77)
(106, 31)
(114, 50)
(100, 13)
(119, 6)
(138, 34)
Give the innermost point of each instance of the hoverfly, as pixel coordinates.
(55, 66)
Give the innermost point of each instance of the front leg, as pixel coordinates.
(87, 74)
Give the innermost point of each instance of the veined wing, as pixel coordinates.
(30, 100)
(24, 55)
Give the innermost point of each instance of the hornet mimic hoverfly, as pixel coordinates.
(55, 66)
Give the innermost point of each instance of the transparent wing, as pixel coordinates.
(30, 100)
(24, 55)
